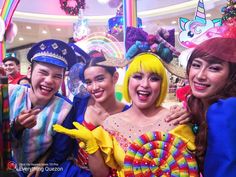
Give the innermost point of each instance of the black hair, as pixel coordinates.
(24, 78)
(95, 58)
(11, 59)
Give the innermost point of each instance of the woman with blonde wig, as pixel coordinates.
(145, 87)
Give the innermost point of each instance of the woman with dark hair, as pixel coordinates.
(145, 86)
(93, 108)
(212, 77)
(100, 82)
(100, 77)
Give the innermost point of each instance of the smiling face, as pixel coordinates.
(100, 83)
(207, 77)
(146, 63)
(10, 67)
(144, 89)
(46, 80)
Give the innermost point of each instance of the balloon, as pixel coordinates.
(11, 32)
(2, 29)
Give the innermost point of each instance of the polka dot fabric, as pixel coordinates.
(159, 154)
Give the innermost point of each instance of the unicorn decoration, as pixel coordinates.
(195, 31)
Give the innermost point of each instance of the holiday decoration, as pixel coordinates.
(229, 11)
(72, 7)
(229, 18)
(195, 31)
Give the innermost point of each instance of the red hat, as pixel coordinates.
(222, 48)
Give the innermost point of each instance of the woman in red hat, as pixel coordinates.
(212, 78)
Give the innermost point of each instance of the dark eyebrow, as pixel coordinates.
(155, 74)
(100, 75)
(215, 62)
(210, 61)
(196, 60)
(137, 73)
(59, 75)
(43, 70)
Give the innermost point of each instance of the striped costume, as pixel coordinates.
(34, 142)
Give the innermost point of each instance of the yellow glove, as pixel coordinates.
(81, 133)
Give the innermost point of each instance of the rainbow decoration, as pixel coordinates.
(7, 12)
(200, 14)
(130, 13)
(159, 154)
(5, 145)
(102, 41)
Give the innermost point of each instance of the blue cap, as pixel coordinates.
(81, 54)
(54, 52)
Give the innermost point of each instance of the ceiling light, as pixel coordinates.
(20, 38)
(208, 15)
(44, 32)
(173, 9)
(173, 22)
(58, 29)
(28, 27)
(103, 1)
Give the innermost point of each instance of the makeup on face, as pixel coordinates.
(207, 77)
(144, 88)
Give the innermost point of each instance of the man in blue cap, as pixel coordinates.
(34, 110)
